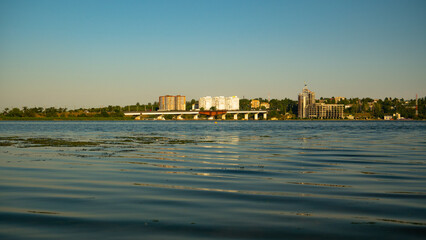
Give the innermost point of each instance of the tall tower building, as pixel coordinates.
(305, 98)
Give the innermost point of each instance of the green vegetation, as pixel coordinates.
(52, 113)
(278, 109)
(365, 108)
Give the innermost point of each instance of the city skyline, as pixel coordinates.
(99, 53)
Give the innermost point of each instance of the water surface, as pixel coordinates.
(201, 180)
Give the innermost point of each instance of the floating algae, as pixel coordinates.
(127, 141)
(44, 142)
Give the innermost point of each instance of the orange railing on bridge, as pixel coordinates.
(212, 113)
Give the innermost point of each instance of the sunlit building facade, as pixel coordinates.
(308, 108)
(255, 104)
(220, 103)
(265, 104)
(205, 103)
(232, 103)
(171, 103)
(325, 111)
(180, 102)
(306, 98)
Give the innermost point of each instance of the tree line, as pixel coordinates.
(281, 109)
(378, 108)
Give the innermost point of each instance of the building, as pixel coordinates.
(232, 103)
(171, 103)
(180, 102)
(220, 103)
(338, 99)
(305, 98)
(265, 104)
(396, 116)
(255, 104)
(325, 111)
(205, 103)
(308, 108)
(162, 103)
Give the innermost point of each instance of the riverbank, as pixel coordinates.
(66, 119)
(132, 119)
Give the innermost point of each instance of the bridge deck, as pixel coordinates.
(190, 112)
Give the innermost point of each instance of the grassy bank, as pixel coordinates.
(66, 118)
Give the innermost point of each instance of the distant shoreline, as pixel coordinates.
(124, 119)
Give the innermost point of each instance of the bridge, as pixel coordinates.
(211, 114)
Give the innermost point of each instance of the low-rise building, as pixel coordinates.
(397, 116)
(325, 111)
(255, 104)
(265, 104)
(338, 99)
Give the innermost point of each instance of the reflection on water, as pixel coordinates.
(232, 180)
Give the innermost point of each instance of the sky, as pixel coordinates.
(89, 53)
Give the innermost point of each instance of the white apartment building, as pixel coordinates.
(232, 103)
(205, 102)
(220, 103)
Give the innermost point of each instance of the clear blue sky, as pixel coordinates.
(97, 53)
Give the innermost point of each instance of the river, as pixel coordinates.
(212, 180)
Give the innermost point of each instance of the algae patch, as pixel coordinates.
(44, 142)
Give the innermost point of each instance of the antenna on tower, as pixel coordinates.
(417, 106)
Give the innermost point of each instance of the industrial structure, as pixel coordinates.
(171, 103)
(219, 103)
(308, 108)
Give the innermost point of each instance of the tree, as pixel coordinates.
(245, 104)
(15, 112)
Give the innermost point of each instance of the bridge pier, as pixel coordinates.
(211, 118)
(265, 116)
(236, 116)
(246, 116)
(196, 117)
(256, 116)
(179, 117)
(224, 116)
(161, 117)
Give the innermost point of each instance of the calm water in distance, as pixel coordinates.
(201, 180)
